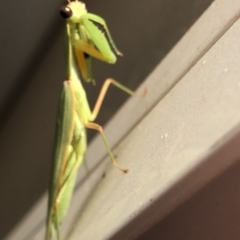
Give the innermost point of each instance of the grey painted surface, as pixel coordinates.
(212, 213)
(33, 70)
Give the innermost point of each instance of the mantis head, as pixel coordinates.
(73, 11)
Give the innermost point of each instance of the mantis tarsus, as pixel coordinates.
(87, 37)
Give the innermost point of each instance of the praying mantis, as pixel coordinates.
(87, 37)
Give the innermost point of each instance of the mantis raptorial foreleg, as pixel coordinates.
(88, 19)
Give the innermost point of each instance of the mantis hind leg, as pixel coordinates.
(57, 227)
(100, 130)
(103, 92)
(95, 112)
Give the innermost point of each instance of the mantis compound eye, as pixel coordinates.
(66, 12)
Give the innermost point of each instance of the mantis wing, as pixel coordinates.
(66, 160)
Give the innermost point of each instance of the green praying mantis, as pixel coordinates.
(87, 37)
